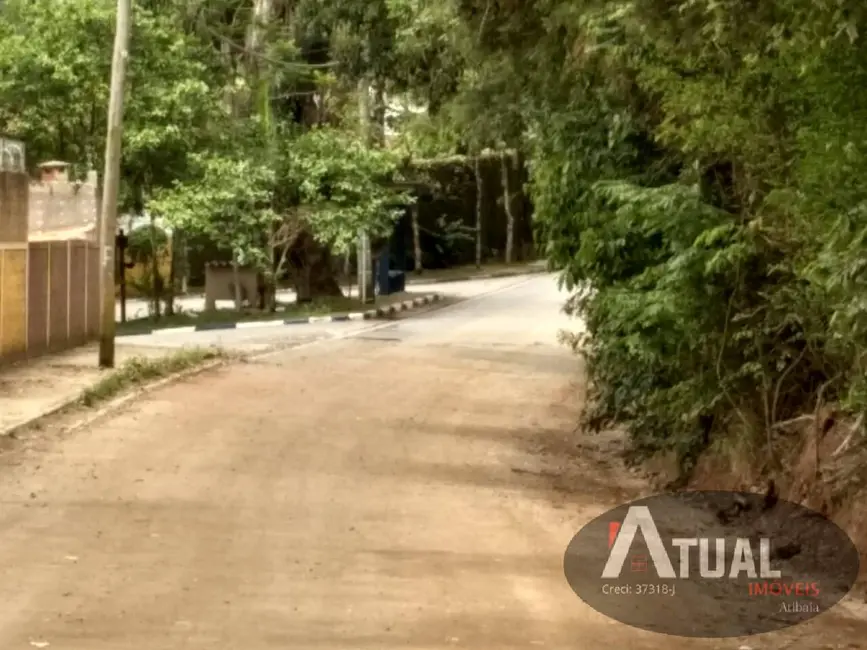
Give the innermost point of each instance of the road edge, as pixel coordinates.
(113, 403)
(510, 273)
(430, 300)
(370, 314)
(116, 403)
(140, 390)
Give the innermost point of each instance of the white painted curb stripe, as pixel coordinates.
(354, 316)
(176, 330)
(259, 323)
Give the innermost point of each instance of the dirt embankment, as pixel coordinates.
(818, 462)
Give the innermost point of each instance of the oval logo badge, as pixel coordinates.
(711, 564)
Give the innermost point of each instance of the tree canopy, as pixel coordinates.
(695, 173)
(695, 166)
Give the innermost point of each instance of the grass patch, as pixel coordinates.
(319, 307)
(142, 370)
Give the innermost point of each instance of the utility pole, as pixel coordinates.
(111, 183)
(366, 289)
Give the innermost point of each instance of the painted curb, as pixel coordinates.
(468, 278)
(370, 314)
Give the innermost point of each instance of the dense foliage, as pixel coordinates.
(695, 165)
(239, 122)
(697, 175)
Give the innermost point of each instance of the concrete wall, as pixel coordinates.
(13, 264)
(59, 206)
(63, 295)
(13, 302)
(14, 196)
(220, 284)
(49, 290)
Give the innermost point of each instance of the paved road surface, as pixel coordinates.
(413, 487)
(262, 338)
(138, 308)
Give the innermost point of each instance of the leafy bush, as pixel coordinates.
(696, 175)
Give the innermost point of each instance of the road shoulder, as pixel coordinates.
(57, 383)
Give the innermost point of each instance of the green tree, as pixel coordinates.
(54, 70)
(326, 186)
(693, 175)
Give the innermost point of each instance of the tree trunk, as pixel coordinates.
(347, 270)
(417, 265)
(364, 129)
(173, 272)
(236, 281)
(525, 234)
(183, 252)
(263, 11)
(156, 280)
(505, 164)
(366, 287)
(315, 280)
(379, 107)
(269, 278)
(313, 271)
(479, 190)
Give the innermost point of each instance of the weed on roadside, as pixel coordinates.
(141, 370)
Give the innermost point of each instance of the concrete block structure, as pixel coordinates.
(49, 261)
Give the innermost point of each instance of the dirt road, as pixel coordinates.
(415, 488)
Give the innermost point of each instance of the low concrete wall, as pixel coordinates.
(220, 284)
